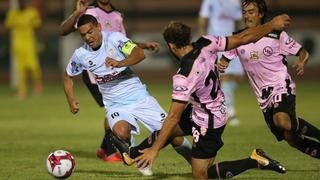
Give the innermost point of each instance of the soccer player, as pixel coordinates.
(266, 67)
(125, 98)
(23, 22)
(111, 20)
(219, 18)
(197, 83)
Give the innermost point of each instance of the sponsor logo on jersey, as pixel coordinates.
(91, 64)
(180, 88)
(289, 41)
(267, 51)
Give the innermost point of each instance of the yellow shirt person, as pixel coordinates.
(22, 22)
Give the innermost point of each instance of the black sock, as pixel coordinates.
(106, 143)
(304, 128)
(310, 147)
(229, 169)
(147, 143)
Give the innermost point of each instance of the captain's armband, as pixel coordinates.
(127, 48)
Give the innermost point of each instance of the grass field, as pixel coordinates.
(32, 128)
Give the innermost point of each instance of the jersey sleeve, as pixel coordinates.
(218, 43)
(231, 54)
(205, 9)
(183, 87)
(122, 43)
(74, 66)
(288, 46)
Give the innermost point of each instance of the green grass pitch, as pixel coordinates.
(32, 128)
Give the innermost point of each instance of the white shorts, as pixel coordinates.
(148, 112)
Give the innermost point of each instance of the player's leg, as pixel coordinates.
(257, 159)
(36, 73)
(22, 73)
(282, 122)
(284, 117)
(151, 115)
(106, 151)
(90, 82)
(228, 86)
(303, 144)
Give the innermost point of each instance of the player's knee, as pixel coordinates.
(122, 129)
(177, 141)
(199, 173)
(282, 120)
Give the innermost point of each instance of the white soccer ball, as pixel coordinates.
(60, 164)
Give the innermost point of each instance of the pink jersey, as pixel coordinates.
(266, 67)
(197, 81)
(110, 21)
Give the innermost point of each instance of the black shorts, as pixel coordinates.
(205, 145)
(287, 105)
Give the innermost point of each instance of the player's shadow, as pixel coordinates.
(302, 170)
(126, 175)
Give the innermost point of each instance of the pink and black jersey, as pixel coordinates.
(266, 67)
(197, 82)
(110, 21)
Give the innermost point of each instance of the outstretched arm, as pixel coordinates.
(253, 34)
(68, 90)
(151, 45)
(150, 154)
(67, 26)
(136, 56)
(299, 64)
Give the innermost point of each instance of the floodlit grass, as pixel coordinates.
(30, 129)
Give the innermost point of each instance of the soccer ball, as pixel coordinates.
(60, 164)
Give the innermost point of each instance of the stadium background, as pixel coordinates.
(32, 128)
(144, 20)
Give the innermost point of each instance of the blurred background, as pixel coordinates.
(144, 20)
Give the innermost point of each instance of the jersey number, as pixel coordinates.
(212, 76)
(116, 114)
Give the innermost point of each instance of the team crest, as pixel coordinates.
(254, 55)
(108, 24)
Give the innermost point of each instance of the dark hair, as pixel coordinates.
(85, 19)
(177, 33)
(262, 6)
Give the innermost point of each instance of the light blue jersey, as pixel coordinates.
(118, 86)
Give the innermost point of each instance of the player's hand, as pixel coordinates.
(222, 65)
(112, 62)
(152, 45)
(82, 6)
(280, 22)
(74, 106)
(299, 67)
(147, 158)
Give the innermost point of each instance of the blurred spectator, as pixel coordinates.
(22, 23)
(218, 18)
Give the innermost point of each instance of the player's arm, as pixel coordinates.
(133, 53)
(68, 90)
(253, 34)
(149, 155)
(67, 26)
(303, 59)
(151, 45)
